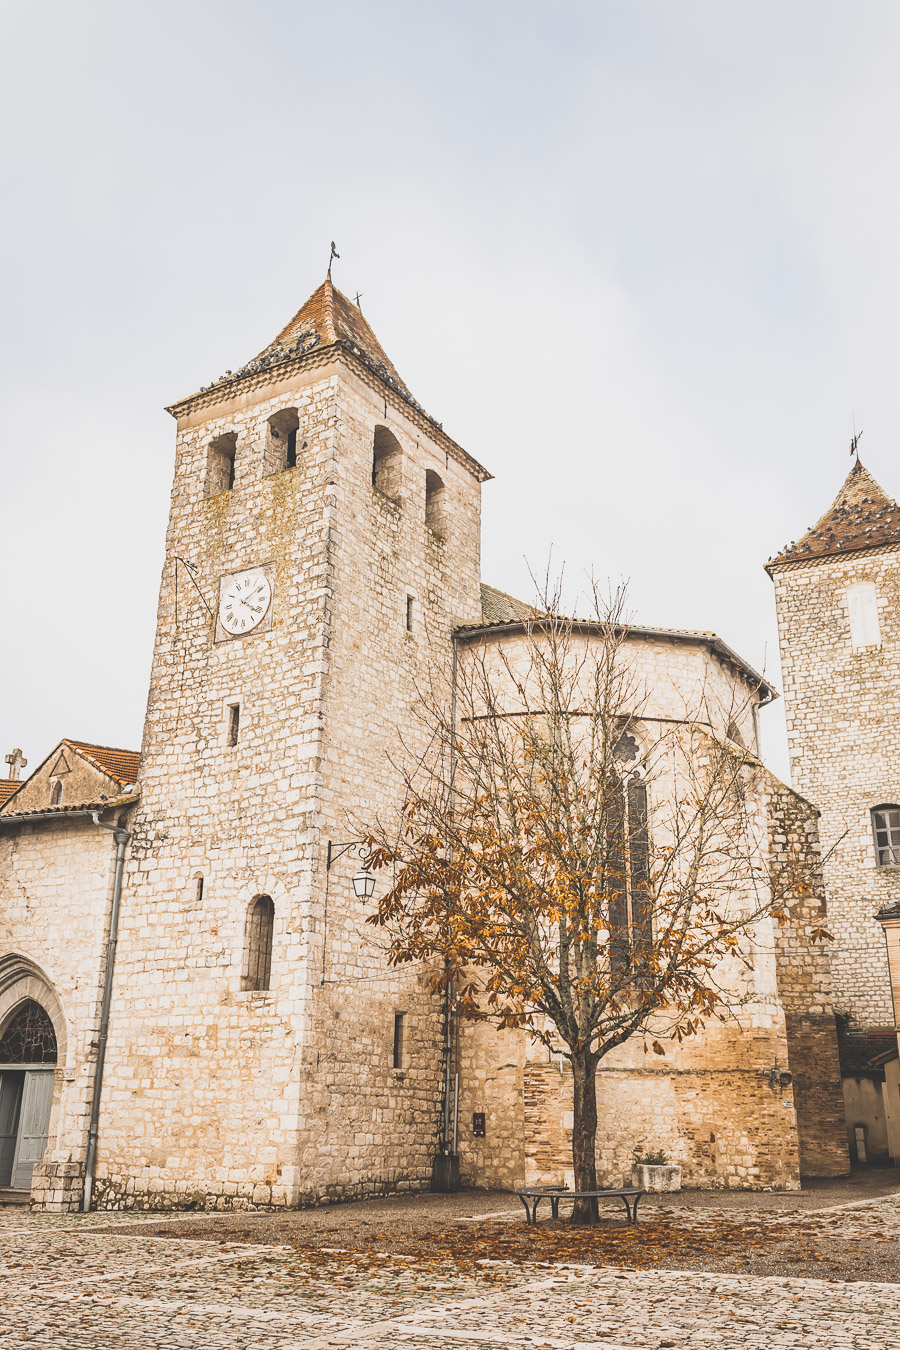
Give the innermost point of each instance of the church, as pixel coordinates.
(193, 1011)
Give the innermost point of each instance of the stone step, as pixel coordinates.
(10, 1197)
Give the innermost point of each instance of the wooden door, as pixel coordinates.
(34, 1119)
(10, 1101)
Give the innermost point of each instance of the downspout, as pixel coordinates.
(122, 838)
(448, 993)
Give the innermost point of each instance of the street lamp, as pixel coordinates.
(363, 880)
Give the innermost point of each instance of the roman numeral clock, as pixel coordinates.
(245, 604)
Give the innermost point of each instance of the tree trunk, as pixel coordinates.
(584, 1133)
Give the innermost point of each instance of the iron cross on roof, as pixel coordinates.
(16, 761)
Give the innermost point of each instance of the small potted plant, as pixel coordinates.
(653, 1171)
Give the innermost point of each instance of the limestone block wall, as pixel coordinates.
(384, 656)
(202, 1102)
(804, 975)
(55, 896)
(711, 1105)
(668, 680)
(843, 725)
(216, 1095)
(752, 1102)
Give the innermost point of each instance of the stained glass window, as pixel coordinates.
(29, 1038)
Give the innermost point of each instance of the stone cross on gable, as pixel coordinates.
(16, 761)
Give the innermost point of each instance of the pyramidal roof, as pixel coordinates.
(330, 317)
(862, 515)
(327, 319)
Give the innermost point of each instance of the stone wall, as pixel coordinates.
(843, 725)
(803, 965)
(55, 896)
(81, 782)
(712, 1106)
(217, 1096)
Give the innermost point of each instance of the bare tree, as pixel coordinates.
(568, 864)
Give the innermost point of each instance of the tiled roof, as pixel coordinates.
(7, 787)
(498, 607)
(328, 320)
(862, 515)
(500, 610)
(330, 317)
(122, 765)
(73, 809)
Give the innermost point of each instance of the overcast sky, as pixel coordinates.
(641, 259)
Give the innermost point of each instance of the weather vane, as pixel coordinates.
(854, 445)
(334, 254)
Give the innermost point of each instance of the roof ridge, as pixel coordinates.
(95, 745)
(861, 516)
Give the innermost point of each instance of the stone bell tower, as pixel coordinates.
(323, 540)
(837, 594)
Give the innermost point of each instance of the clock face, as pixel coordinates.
(245, 602)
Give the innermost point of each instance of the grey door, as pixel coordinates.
(10, 1101)
(34, 1118)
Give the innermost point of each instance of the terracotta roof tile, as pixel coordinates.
(7, 787)
(331, 317)
(862, 515)
(122, 765)
(73, 808)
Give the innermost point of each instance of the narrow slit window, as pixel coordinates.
(434, 503)
(56, 793)
(399, 1039)
(410, 604)
(291, 455)
(199, 895)
(233, 724)
(260, 929)
(628, 879)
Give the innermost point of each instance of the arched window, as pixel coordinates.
(281, 441)
(886, 833)
(628, 865)
(387, 463)
(56, 792)
(29, 1037)
(258, 959)
(220, 464)
(435, 495)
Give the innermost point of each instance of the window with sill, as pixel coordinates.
(886, 834)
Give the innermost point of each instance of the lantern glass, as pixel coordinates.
(364, 884)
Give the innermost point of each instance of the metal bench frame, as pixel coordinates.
(535, 1194)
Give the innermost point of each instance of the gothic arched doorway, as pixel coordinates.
(27, 1063)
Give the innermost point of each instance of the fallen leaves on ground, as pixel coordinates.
(800, 1244)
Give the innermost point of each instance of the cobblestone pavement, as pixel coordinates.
(72, 1281)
